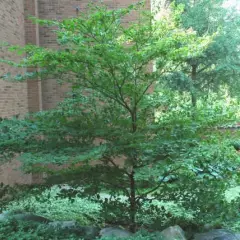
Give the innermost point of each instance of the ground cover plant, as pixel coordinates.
(122, 130)
(88, 212)
(18, 230)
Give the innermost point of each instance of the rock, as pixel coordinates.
(216, 234)
(174, 232)
(227, 237)
(88, 232)
(3, 217)
(29, 217)
(91, 232)
(238, 235)
(114, 232)
(63, 224)
(23, 217)
(207, 227)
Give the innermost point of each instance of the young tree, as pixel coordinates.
(105, 133)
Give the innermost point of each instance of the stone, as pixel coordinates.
(88, 232)
(29, 217)
(23, 217)
(216, 234)
(91, 232)
(173, 233)
(3, 217)
(114, 232)
(68, 226)
(227, 237)
(63, 224)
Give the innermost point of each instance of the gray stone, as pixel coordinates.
(88, 232)
(63, 224)
(227, 237)
(91, 232)
(114, 232)
(238, 235)
(29, 217)
(173, 233)
(3, 217)
(23, 217)
(216, 234)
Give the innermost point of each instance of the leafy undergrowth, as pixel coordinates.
(232, 193)
(49, 205)
(87, 212)
(16, 230)
(232, 196)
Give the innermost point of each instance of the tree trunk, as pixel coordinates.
(194, 99)
(193, 93)
(133, 205)
(132, 197)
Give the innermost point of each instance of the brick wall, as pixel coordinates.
(13, 96)
(32, 37)
(10, 174)
(52, 92)
(16, 28)
(31, 96)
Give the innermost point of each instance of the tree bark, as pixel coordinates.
(193, 93)
(194, 99)
(133, 207)
(132, 198)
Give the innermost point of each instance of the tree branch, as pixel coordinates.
(158, 186)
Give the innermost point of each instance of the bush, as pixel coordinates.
(16, 230)
(49, 205)
(157, 215)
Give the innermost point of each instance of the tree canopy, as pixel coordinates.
(218, 66)
(106, 133)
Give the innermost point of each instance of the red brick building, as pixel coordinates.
(15, 28)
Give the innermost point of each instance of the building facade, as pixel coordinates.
(31, 96)
(16, 28)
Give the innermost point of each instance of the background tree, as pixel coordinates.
(218, 66)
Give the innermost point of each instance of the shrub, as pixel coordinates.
(16, 230)
(49, 205)
(154, 215)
